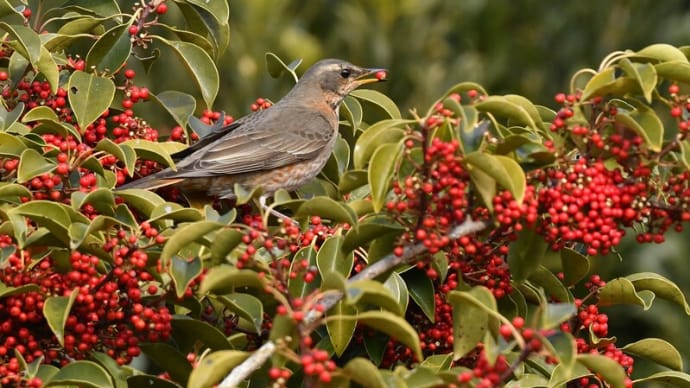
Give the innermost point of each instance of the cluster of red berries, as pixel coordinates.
(484, 374)
(317, 365)
(261, 104)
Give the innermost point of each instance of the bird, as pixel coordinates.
(282, 147)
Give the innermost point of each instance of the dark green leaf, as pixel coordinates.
(422, 291)
(111, 50)
(671, 378)
(340, 331)
(330, 257)
(609, 369)
(381, 170)
(225, 279)
(56, 310)
(383, 132)
(364, 373)
(85, 374)
(525, 254)
(470, 318)
(327, 208)
(33, 164)
(379, 99)
(26, 41)
(214, 367)
(575, 266)
(370, 292)
(185, 235)
(246, 306)
(297, 287)
(183, 272)
(180, 105)
(657, 350)
(89, 96)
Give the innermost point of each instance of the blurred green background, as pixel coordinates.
(525, 47)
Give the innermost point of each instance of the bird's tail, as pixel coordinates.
(152, 182)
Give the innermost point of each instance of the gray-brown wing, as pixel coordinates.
(267, 144)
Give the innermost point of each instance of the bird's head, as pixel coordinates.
(335, 78)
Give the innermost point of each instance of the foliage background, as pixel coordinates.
(528, 47)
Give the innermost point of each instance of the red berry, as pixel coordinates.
(133, 30)
(380, 75)
(129, 73)
(162, 8)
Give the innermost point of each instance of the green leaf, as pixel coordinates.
(180, 105)
(56, 310)
(246, 306)
(662, 52)
(204, 333)
(379, 99)
(645, 122)
(147, 381)
(330, 257)
(606, 82)
(506, 107)
(39, 113)
(609, 369)
(214, 367)
(422, 291)
(297, 287)
(183, 272)
(225, 279)
(51, 215)
(684, 152)
(224, 242)
(185, 235)
(575, 266)
(526, 254)
(158, 152)
(328, 208)
(391, 325)
(144, 201)
(368, 230)
(370, 292)
(351, 110)
(671, 378)
(563, 346)
(553, 287)
(85, 374)
(33, 164)
(111, 51)
(125, 154)
(276, 66)
(660, 286)
(506, 171)
(199, 65)
(657, 350)
(89, 96)
(382, 132)
(470, 318)
(364, 373)
(340, 331)
(644, 74)
(46, 65)
(26, 41)
(380, 171)
(556, 313)
(621, 291)
(398, 289)
(674, 71)
(220, 10)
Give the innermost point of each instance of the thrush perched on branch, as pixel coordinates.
(282, 147)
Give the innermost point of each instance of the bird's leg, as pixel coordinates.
(270, 210)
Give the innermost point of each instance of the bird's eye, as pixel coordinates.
(345, 73)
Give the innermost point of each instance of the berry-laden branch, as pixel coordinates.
(410, 252)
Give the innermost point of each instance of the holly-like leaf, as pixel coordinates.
(158, 152)
(185, 235)
(297, 286)
(327, 208)
(25, 41)
(525, 254)
(56, 310)
(211, 369)
(180, 105)
(111, 50)
(645, 122)
(382, 132)
(199, 65)
(662, 52)
(340, 331)
(33, 164)
(364, 373)
(370, 292)
(85, 374)
(224, 279)
(608, 368)
(622, 291)
(379, 99)
(506, 171)
(660, 286)
(644, 74)
(248, 307)
(422, 291)
(183, 272)
(575, 266)
(657, 350)
(670, 378)
(331, 258)
(470, 318)
(506, 107)
(381, 170)
(89, 96)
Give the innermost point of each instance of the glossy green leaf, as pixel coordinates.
(142, 200)
(351, 180)
(166, 355)
(525, 254)
(556, 313)
(85, 374)
(670, 378)
(527, 106)
(204, 333)
(183, 272)
(391, 325)
(248, 307)
(111, 51)
(224, 242)
(330, 257)
(276, 66)
(563, 346)
(180, 105)
(528, 380)
(684, 152)
(218, 9)
(297, 287)
(46, 65)
(88, 7)
(398, 289)
(645, 122)
(506, 171)
(370, 292)
(10, 145)
(202, 22)
(50, 215)
(179, 214)
(33, 164)
(214, 367)
(504, 107)
(657, 350)
(364, 373)
(544, 278)
(327, 208)
(199, 65)
(185, 235)
(621, 291)
(380, 171)
(368, 230)
(421, 289)
(379, 99)
(56, 310)
(422, 377)
(25, 41)
(382, 132)
(89, 96)
(660, 286)
(606, 82)
(351, 110)
(674, 71)
(340, 331)
(158, 152)
(644, 74)
(225, 279)
(40, 113)
(575, 266)
(662, 52)
(125, 153)
(470, 318)
(608, 368)
(146, 381)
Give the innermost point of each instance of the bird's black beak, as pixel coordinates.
(371, 75)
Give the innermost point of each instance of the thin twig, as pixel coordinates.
(261, 355)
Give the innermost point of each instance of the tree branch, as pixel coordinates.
(261, 355)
